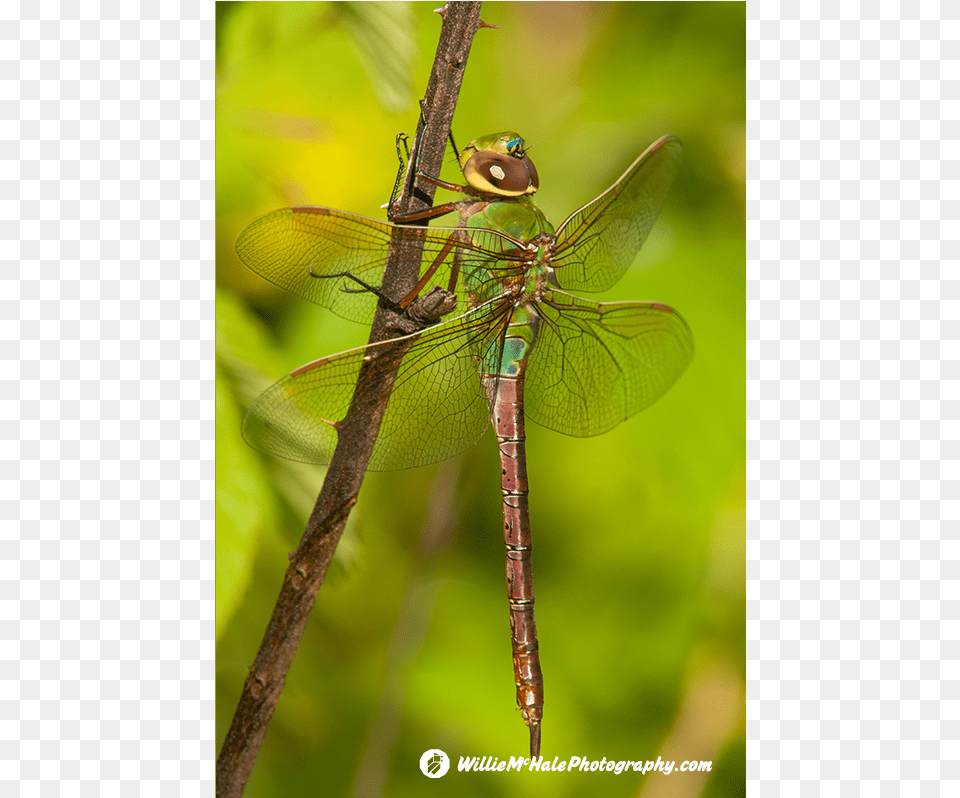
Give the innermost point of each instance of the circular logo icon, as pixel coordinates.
(434, 763)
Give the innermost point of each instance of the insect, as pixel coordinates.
(518, 346)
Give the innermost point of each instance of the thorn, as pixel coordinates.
(297, 579)
(440, 10)
(335, 424)
(487, 25)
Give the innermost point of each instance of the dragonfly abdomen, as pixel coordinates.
(517, 338)
(505, 396)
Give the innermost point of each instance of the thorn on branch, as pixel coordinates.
(297, 578)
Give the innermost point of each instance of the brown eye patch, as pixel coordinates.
(501, 174)
(532, 172)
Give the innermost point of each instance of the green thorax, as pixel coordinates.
(519, 218)
(522, 221)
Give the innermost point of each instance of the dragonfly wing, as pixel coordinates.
(599, 242)
(286, 245)
(436, 408)
(299, 249)
(596, 364)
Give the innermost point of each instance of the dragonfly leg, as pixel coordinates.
(429, 213)
(418, 174)
(395, 194)
(442, 183)
(421, 283)
(455, 271)
(364, 288)
(401, 137)
(419, 312)
(453, 144)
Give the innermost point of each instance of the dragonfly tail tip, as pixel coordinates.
(534, 740)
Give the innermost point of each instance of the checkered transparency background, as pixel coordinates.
(106, 626)
(853, 299)
(107, 407)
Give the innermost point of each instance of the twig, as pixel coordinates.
(357, 432)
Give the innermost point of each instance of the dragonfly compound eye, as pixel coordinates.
(500, 174)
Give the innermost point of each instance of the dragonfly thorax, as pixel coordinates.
(518, 218)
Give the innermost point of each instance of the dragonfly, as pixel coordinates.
(518, 345)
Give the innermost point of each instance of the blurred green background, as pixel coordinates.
(639, 533)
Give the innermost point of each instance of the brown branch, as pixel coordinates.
(358, 431)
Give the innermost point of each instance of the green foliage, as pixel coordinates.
(639, 538)
(245, 500)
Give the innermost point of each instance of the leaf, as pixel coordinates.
(244, 506)
(384, 34)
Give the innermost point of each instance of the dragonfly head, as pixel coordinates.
(498, 164)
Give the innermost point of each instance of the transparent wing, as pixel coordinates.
(597, 243)
(297, 248)
(436, 408)
(596, 364)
